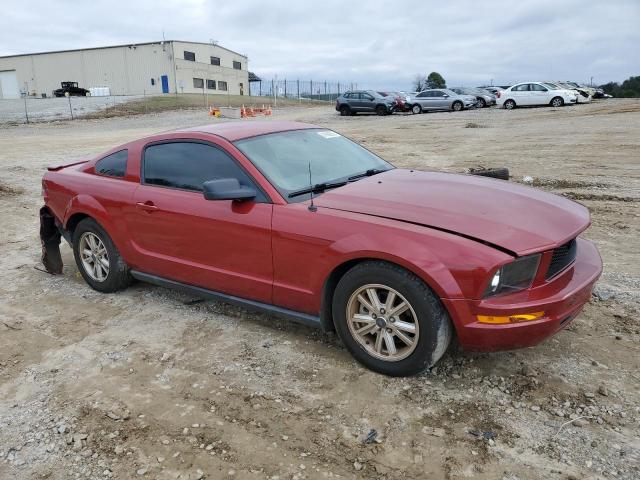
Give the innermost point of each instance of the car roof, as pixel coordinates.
(233, 131)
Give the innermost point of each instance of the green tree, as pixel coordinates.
(435, 80)
(629, 88)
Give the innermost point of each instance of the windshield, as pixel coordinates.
(552, 86)
(284, 159)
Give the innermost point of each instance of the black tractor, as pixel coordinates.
(70, 89)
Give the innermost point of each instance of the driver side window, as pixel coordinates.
(187, 165)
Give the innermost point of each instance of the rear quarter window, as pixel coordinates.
(114, 165)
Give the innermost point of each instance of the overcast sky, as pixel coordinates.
(378, 44)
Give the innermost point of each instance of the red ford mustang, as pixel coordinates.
(299, 221)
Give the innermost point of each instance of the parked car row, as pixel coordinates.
(387, 102)
(553, 93)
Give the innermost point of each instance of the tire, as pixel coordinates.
(416, 109)
(500, 173)
(481, 103)
(432, 329)
(381, 110)
(509, 104)
(457, 106)
(90, 236)
(345, 111)
(557, 102)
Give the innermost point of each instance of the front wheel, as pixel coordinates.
(557, 102)
(98, 259)
(509, 104)
(416, 109)
(345, 111)
(457, 106)
(389, 320)
(381, 110)
(481, 103)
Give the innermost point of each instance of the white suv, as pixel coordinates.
(534, 93)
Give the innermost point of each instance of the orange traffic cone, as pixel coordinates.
(243, 112)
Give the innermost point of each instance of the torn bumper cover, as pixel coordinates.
(50, 239)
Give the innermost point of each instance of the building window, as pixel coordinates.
(211, 84)
(237, 65)
(198, 83)
(215, 61)
(153, 81)
(222, 85)
(189, 56)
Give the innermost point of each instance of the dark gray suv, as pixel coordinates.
(350, 103)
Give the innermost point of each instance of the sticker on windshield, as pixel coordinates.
(328, 134)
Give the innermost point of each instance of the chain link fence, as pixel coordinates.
(35, 109)
(300, 89)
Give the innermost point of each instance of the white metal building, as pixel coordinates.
(144, 68)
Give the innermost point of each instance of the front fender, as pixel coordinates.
(409, 254)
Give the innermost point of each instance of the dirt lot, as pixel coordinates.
(148, 383)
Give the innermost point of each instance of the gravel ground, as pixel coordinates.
(148, 383)
(47, 109)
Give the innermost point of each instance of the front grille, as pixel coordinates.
(563, 256)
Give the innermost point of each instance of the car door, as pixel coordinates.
(540, 95)
(521, 95)
(441, 100)
(368, 102)
(355, 102)
(425, 99)
(221, 245)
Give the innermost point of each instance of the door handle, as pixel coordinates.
(147, 206)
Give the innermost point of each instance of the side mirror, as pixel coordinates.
(446, 96)
(227, 189)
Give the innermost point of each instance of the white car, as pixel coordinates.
(534, 93)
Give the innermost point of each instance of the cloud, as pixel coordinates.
(377, 44)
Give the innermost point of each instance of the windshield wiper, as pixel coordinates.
(318, 188)
(368, 173)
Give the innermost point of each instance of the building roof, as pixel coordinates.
(130, 45)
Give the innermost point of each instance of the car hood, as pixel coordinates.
(511, 217)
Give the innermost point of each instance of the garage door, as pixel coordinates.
(9, 84)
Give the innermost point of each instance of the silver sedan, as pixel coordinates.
(440, 99)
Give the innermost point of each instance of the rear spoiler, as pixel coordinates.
(60, 167)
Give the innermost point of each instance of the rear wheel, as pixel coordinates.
(416, 109)
(389, 320)
(557, 102)
(98, 259)
(457, 106)
(509, 104)
(345, 111)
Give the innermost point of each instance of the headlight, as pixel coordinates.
(514, 276)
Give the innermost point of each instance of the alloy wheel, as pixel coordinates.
(382, 321)
(93, 254)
